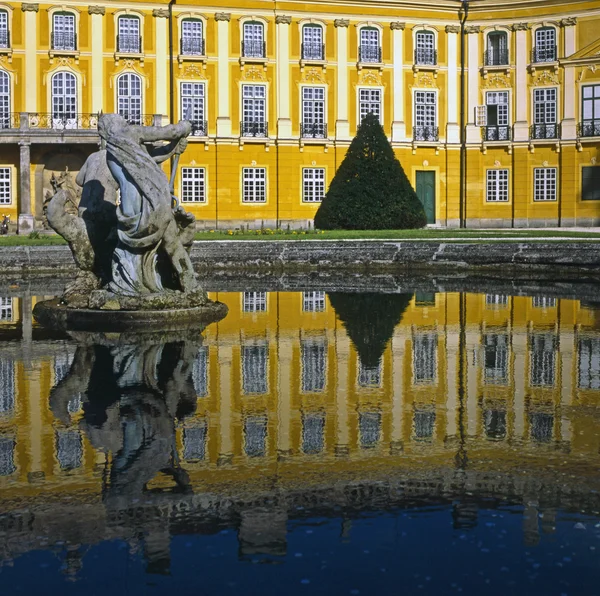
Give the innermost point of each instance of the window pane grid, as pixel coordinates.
(5, 186)
(313, 185)
(254, 185)
(497, 186)
(545, 184)
(193, 189)
(369, 103)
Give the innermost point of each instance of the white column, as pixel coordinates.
(566, 355)
(452, 351)
(284, 122)
(521, 99)
(162, 59)
(398, 343)
(519, 347)
(342, 349)
(398, 125)
(284, 392)
(31, 66)
(97, 18)
(225, 406)
(342, 126)
(223, 113)
(473, 77)
(453, 127)
(471, 397)
(569, 123)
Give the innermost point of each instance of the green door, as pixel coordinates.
(426, 193)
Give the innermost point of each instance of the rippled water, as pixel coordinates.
(309, 443)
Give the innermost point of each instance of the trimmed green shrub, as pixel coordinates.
(370, 190)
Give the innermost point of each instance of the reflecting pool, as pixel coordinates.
(311, 442)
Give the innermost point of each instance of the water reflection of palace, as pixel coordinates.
(501, 392)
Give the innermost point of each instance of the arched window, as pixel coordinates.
(129, 40)
(497, 49)
(369, 49)
(64, 100)
(253, 42)
(313, 47)
(4, 100)
(63, 31)
(192, 40)
(545, 45)
(4, 34)
(425, 52)
(129, 97)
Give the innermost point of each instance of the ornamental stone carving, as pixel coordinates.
(521, 27)
(569, 22)
(223, 16)
(397, 26)
(472, 29)
(341, 23)
(160, 13)
(281, 19)
(30, 7)
(97, 10)
(497, 81)
(452, 29)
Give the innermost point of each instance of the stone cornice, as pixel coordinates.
(341, 23)
(472, 29)
(282, 19)
(521, 27)
(452, 29)
(25, 7)
(160, 13)
(397, 26)
(97, 10)
(223, 16)
(569, 22)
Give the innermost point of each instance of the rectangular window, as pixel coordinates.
(6, 309)
(589, 363)
(7, 386)
(425, 358)
(313, 185)
(69, 449)
(200, 372)
(542, 357)
(543, 302)
(369, 429)
(313, 112)
(254, 302)
(313, 427)
(590, 187)
(590, 110)
(425, 125)
(544, 184)
(193, 185)
(494, 422)
(497, 186)
(254, 185)
(253, 45)
(369, 49)
(128, 40)
(63, 33)
(254, 111)
(495, 371)
(493, 301)
(369, 376)
(497, 127)
(545, 45)
(542, 426)
(424, 424)
(369, 102)
(4, 37)
(5, 186)
(255, 360)
(255, 436)
(314, 365)
(312, 43)
(544, 114)
(313, 301)
(425, 48)
(7, 456)
(192, 42)
(194, 441)
(192, 106)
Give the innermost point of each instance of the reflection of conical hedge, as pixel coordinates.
(369, 320)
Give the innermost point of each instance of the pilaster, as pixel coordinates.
(342, 126)
(522, 100)
(569, 123)
(453, 127)
(223, 86)
(162, 59)
(284, 122)
(97, 41)
(473, 132)
(398, 124)
(31, 65)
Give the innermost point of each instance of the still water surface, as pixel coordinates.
(309, 443)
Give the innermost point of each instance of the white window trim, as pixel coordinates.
(382, 103)
(204, 199)
(302, 199)
(556, 186)
(496, 201)
(129, 13)
(180, 97)
(256, 167)
(193, 16)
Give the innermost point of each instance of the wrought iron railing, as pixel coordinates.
(254, 129)
(425, 57)
(4, 38)
(313, 51)
(545, 54)
(199, 128)
(367, 53)
(495, 57)
(545, 131)
(67, 121)
(254, 49)
(313, 130)
(129, 44)
(588, 128)
(64, 41)
(192, 46)
(497, 133)
(426, 133)
(139, 119)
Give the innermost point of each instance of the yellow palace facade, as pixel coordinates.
(276, 91)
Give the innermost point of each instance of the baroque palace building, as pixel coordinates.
(277, 90)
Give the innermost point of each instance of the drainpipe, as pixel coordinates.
(463, 14)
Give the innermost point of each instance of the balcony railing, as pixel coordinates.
(129, 44)
(497, 133)
(254, 129)
(426, 133)
(199, 128)
(545, 131)
(10, 120)
(138, 119)
(369, 54)
(192, 46)
(495, 57)
(254, 49)
(313, 51)
(64, 121)
(313, 130)
(4, 38)
(425, 57)
(64, 41)
(547, 54)
(588, 128)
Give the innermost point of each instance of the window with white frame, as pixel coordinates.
(313, 301)
(313, 185)
(425, 48)
(543, 302)
(5, 186)
(255, 358)
(497, 186)
(129, 97)
(193, 185)
(313, 355)
(369, 429)
(544, 113)
(313, 432)
(194, 441)
(193, 106)
(541, 426)
(545, 45)
(313, 113)
(64, 100)
(200, 372)
(588, 370)
(128, 37)
(7, 456)
(369, 102)
(425, 125)
(495, 370)
(369, 376)
(497, 49)
(493, 301)
(497, 125)
(254, 302)
(590, 109)
(424, 424)
(312, 43)
(370, 47)
(255, 436)
(253, 41)
(63, 31)
(4, 34)
(6, 308)
(7, 386)
(544, 184)
(254, 185)
(254, 110)
(590, 183)
(425, 357)
(192, 41)
(69, 449)
(4, 99)
(542, 356)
